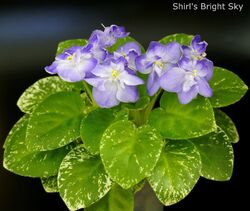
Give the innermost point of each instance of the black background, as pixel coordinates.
(29, 33)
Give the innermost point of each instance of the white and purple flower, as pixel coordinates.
(189, 79)
(109, 36)
(73, 64)
(196, 50)
(172, 67)
(113, 84)
(130, 51)
(158, 59)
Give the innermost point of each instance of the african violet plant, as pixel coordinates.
(118, 116)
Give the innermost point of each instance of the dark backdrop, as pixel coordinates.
(29, 34)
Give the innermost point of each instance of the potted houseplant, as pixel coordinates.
(117, 117)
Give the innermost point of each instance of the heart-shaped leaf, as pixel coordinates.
(62, 46)
(183, 39)
(227, 125)
(43, 88)
(82, 179)
(93, 127)
(176, 172)
(216, 155)
(227, 88)
(55, 122)
(177, 121)
(18, 159)
(128, 153)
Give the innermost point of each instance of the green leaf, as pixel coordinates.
(93, 127)
(18, 159)
(227, 125)
(227, 88)
(128, 153)
(117, 199)
(216, 155)
(82, 179)
(183, 39)
(122, 41)
(50, 184)
(43, 88)
(55, 122)
(176, 172)
(177, 121)
(62, 46)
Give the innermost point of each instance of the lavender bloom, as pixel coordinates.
(109, 36)
(73, 64)
(157, 60)
(100, 53)
(129, 52)
(196, 50)
(113, 84)
(189, 79)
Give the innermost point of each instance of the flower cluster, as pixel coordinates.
(114, 76)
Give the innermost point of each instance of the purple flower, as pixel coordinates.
(100, 53)
(109, 36)
(73, 64)
(157, 60)
(129, 52)
(189, 79)
(196, 50)
(113, 84)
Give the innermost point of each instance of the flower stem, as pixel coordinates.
(89, 93)
(150, 106)
(140, 117)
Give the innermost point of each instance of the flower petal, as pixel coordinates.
(186, 97)
(132, 55)
(131, 80)
(173, 53)
(172, 80)
(156, 49)
(186, 51)
(153, 83)
(87, 65)
(103, 70)
(127, 94)
(71, 72)
(204, 88)
(186, 63)
(142, 63)
(205, 68)
(107, 98)
(129, 46)
(96, 82)
(198, 45)
(52, 69)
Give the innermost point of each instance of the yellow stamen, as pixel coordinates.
(70, 57)
(201, 56)
(158, 63)
(195, 72)
(115, 74)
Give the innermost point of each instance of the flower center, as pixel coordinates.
(200, 57)
(115, 74)
(195, 72)
(159, 64)
(70, 57)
